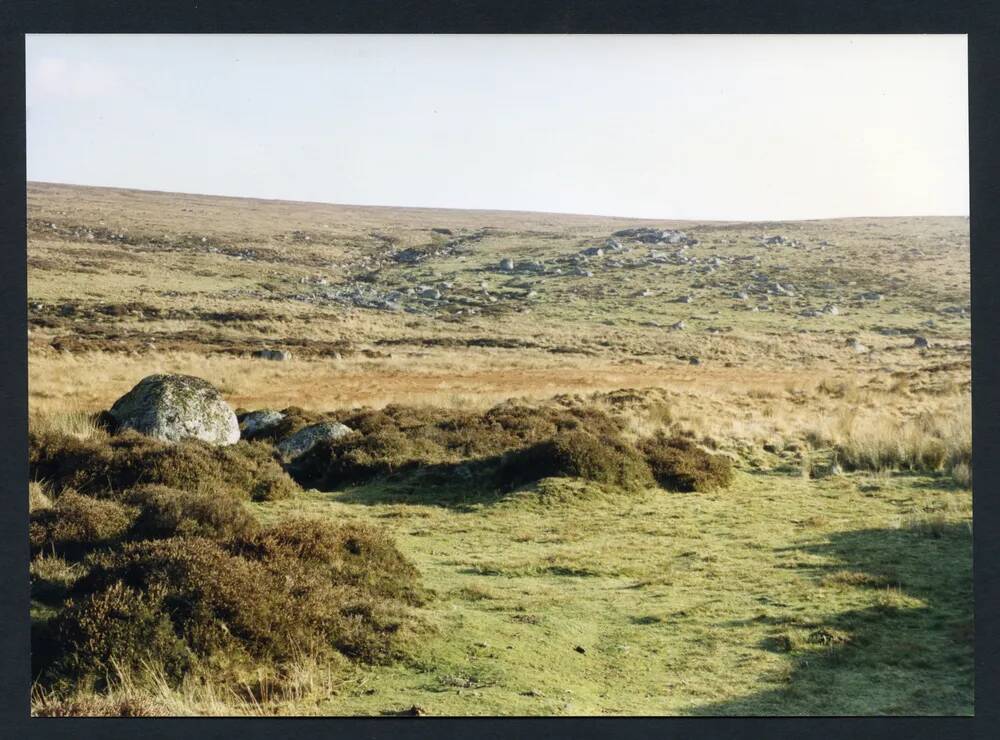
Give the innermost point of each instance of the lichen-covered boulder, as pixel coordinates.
(176, 407)
(296, 445)
(259, 421)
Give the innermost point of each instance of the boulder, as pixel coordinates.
(258, 421)
(305, 439)
(278, 355)
(176, 407)
(921, 342)
(507, 264)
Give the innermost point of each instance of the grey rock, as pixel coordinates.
(677, 326)
(305, 439)
(530, 266)
(177, 407)
(258, 421)
(921, 342)
(278, 355)
(507, 264)
(432, 294)
(410, 256)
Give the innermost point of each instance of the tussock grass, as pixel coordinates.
(928, 442)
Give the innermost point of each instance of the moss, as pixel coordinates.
(678, 464)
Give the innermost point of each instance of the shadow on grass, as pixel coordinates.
(459, 486)
(910, 652)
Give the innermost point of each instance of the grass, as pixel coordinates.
(679, 603)
(674, 597)
(821, 565)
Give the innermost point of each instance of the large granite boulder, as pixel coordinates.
(177, 407)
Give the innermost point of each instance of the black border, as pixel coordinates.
(977, 18)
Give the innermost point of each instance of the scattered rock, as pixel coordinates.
(921, 342)
(177, 407)
(305, 439)
(677, 326)
(580, 649)
(278, 355)
(258, 421)
(410, 256)
(507, 264)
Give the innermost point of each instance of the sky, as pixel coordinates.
(686, 127)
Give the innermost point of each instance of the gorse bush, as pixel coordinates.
(678, 464)
(102, 466)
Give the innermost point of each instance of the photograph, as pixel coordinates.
(500, 375)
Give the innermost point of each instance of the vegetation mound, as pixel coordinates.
(106, 464)
(76, 523)
(264, 597)
(169, 512)
(400, 438)
(678, 464)
(577, 454)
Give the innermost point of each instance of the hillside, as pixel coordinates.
(823, 365)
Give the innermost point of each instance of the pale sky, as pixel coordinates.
(700, 127)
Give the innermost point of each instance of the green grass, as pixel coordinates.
(733, 602)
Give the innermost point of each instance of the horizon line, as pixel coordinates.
(491, 210)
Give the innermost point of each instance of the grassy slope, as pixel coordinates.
(683, 603)
(725, 603)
